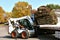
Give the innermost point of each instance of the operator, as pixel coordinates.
(21, 26)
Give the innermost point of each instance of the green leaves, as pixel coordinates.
(52, 6)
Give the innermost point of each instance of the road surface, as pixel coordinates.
(5, 36)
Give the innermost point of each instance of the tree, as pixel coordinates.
(21, 9)
(52, 6)
(7, 16)
(2, 12)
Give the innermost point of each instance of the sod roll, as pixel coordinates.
(45, 16)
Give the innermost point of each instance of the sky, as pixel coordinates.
(8, 5)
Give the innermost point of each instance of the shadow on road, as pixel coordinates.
(5, 37)
(47, 37)
(9, 37)
(40, 37)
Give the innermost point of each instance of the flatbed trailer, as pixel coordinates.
(50, 27)
(47, 29)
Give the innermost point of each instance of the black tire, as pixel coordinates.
(14, 34)
(25, 35)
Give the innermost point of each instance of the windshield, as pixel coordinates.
(26, 23)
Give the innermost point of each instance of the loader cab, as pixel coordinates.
(26, 24)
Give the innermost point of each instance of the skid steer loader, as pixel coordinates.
(15, 30)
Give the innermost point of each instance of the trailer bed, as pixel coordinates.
(50, 27)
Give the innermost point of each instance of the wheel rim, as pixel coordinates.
(23, 34)
(13, 34)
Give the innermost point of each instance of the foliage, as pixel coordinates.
(21, 9)
(2, 16)
(52, 6)
(8, 15)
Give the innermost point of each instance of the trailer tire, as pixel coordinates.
(25, 35)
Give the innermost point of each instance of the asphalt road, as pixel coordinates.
(5, 36)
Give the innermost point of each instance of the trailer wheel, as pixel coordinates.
(13, 34)
(25, 35)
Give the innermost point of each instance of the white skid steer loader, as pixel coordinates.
(15, 30)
